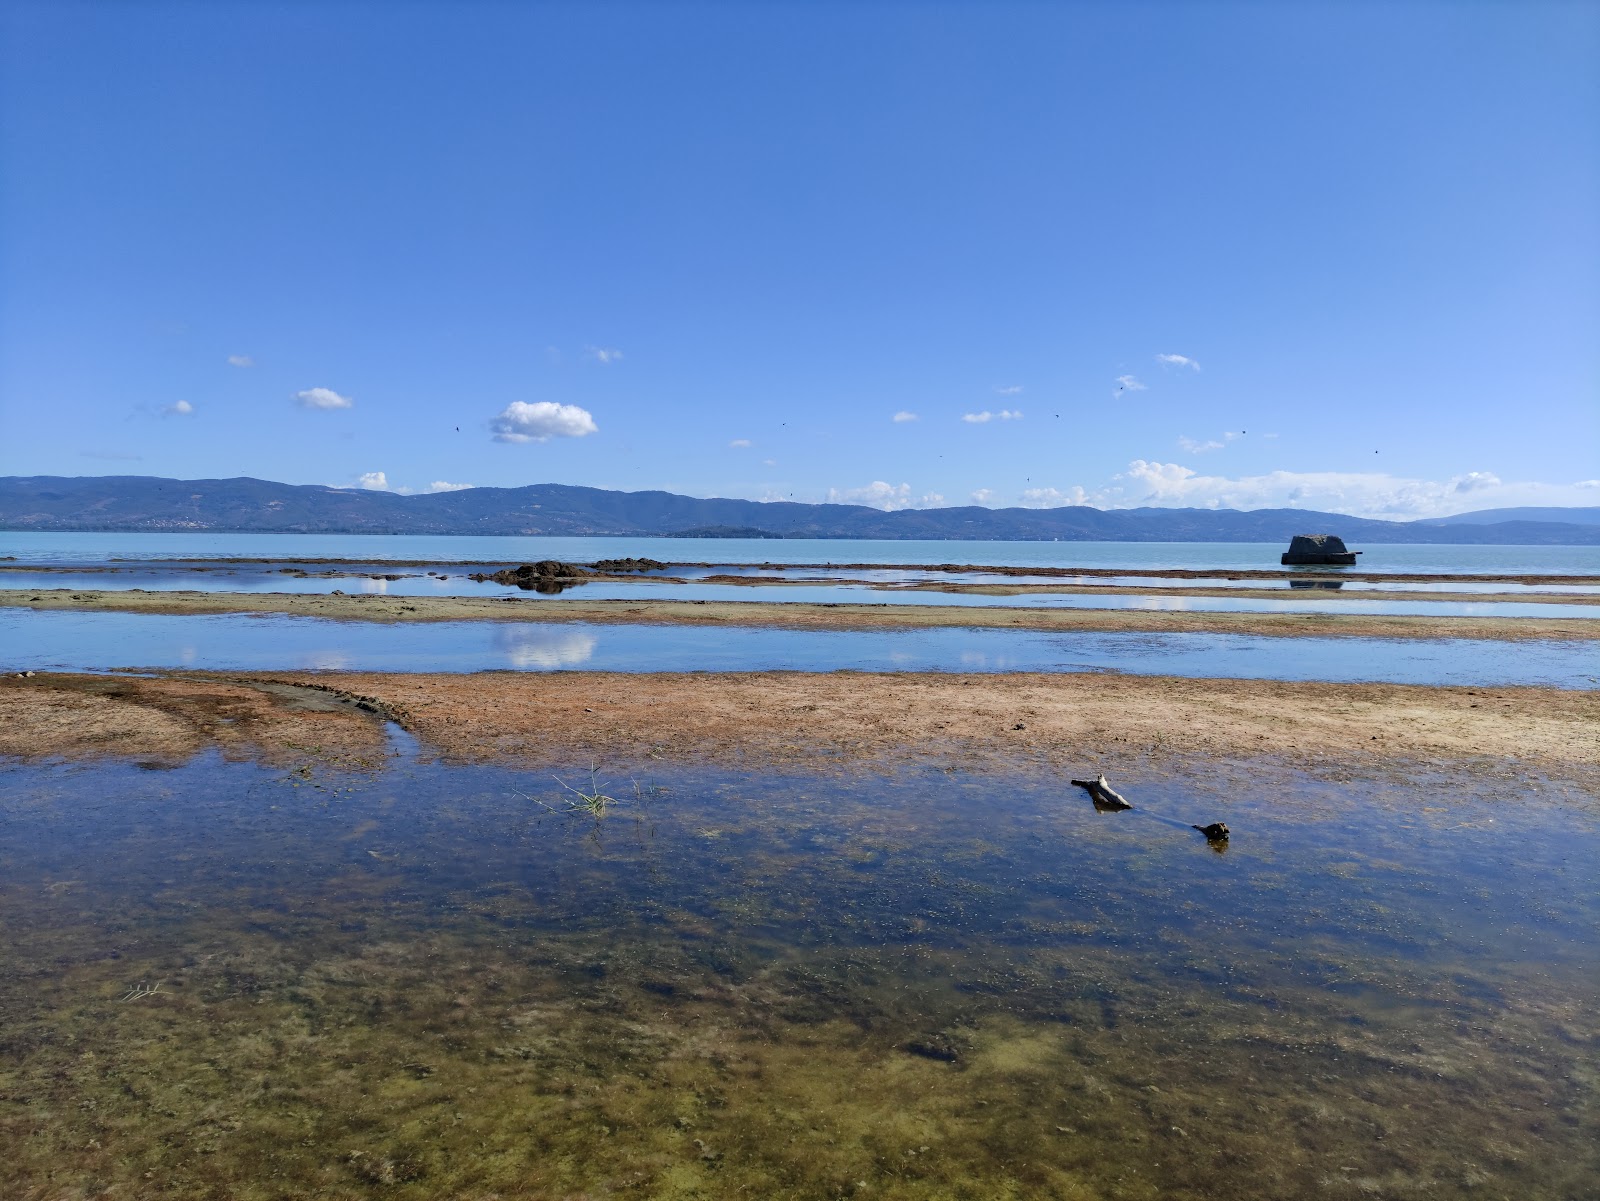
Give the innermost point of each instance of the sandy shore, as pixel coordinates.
(1069, 723)
(799, 615)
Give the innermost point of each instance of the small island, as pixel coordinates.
(1319, 550)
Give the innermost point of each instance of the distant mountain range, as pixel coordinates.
(1575, 516)
(149, 504)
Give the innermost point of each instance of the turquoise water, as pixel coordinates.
(1132, 556)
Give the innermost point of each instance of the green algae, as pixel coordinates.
(413, 983)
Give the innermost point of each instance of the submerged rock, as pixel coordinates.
(938, 1045)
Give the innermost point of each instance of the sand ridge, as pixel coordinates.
(799, 615)
(803, 719)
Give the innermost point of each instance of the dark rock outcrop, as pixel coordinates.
(623, 566)
(547, 575)
(1320, 550)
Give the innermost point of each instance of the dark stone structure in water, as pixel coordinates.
(1318, 550)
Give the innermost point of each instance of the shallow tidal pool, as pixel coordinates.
(409, 979)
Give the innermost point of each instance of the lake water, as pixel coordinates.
(418, 584)
(71, 641)
(414, 980)
(1130, 556)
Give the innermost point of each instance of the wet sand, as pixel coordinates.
(807, 720)
(800, 615)
(169, 720)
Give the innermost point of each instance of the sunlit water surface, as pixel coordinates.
(1131, 556)
(75, 641)
(781, 589)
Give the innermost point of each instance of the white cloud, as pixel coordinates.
(1358, 493)
(1177, 360)
(1475, 480)
(378, 481)
(769, 462)
(982, 496)
(240, 360)
(986, 416)
(1129, 383)
(903, 416)
(541, 421)
(323, 398)
(740, 444)
(1053, 498)
(1196, 447)
(880, 495)
(603, 354)
(178, 408)
(1010, 390)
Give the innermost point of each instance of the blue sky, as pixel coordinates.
(1340, 256)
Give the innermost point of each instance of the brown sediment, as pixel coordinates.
(165, 720)
(802, 615)
(793, 718)
(790, 719)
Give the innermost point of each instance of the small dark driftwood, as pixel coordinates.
(1215, 832)
(1103, 795)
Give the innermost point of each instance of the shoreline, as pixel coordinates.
(804, 720)
(1161, 573)
(797, 615)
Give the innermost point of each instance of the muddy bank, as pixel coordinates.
(795, 719)
(800, 615)
(163, 721)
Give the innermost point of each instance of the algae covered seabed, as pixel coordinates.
(374, 973)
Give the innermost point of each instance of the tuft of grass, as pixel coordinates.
(593, 801)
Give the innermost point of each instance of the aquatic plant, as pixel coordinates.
(595, 801)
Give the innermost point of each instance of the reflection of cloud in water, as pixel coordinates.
(979, 661)
(1168, 603)
(381, 587)
(544, 646)
(325, 660)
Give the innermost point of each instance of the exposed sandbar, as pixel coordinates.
(1168, 573)
(808, 720)
(800, 615)
(165, 720)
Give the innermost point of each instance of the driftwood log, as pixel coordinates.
(1103, 795)
(1108, 799)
